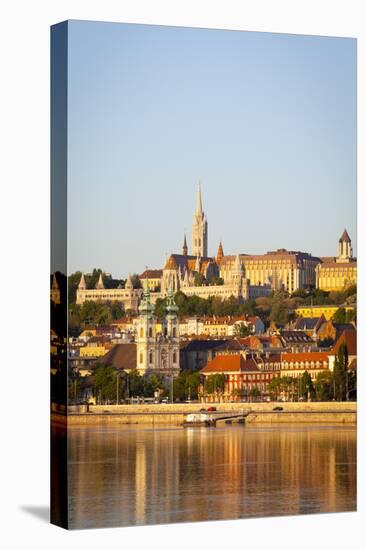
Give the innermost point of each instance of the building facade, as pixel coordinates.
(128, 296)
(340, 272)
(157, 352)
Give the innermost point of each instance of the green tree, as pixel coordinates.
(324, 386)
(192, 384)
(340, 374)
(73, 283)
(136, 281)
(216, 280)
(160, 306)
(199, 280)
(215, 383)
(241, 330)
(254, 392)
(105, 383)
(135, 384)
(76, 386)
(117, 310)
(279, 310)
(351, 316)
(340, 316)
(306, 386)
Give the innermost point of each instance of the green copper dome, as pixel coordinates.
(171, 306)
(146, 308)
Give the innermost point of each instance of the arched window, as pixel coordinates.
(150, 332)
(174, 356)
(141, 332)
(141, 358)
(150, 357)
(174, 332)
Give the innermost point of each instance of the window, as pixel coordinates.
(141, 332)
(174, 357)
(141, 358)
(174, 332)
(150, 357)
(150, 332)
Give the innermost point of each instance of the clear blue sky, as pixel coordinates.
(267, 122)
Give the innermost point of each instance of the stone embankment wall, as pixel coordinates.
(329, 412)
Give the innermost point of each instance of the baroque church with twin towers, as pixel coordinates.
(241, 276)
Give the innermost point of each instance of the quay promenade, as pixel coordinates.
(174, 414)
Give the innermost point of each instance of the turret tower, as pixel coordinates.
(199, 229)
(344, 247)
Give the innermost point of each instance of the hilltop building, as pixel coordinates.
(241, 276)
(127, 296)
(340, 272)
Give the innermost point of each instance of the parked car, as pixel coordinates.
(211, 409)
(277, 409)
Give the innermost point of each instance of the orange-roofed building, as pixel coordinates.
(241, 376)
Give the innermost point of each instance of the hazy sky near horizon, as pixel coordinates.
(266, 121)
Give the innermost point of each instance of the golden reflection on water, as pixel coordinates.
(138, 475)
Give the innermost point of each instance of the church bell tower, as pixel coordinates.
(199, 229)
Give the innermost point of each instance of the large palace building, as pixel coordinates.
(242, 276)
(339, 272)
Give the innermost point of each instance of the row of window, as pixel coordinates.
(150, 332)
(151, 358)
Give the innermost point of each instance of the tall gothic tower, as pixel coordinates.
(199, 229)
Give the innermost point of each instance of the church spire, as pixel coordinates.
(82, 284)
(199, 201)
(100, 284)
(129, 284)
(220, 253)
(199, 229)
(185, 247)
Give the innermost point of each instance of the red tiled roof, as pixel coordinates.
(151, 274)
(230, 363)
(348, 337)
(121, 356)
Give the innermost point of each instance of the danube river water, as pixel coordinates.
(125, 475)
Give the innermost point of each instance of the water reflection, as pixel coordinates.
(131, 476)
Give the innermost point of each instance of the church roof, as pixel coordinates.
(151, 274)
(171, 263)
(345, 237)
(295, 257)
(189, 262)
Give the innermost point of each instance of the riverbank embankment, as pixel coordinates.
(174, 414)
